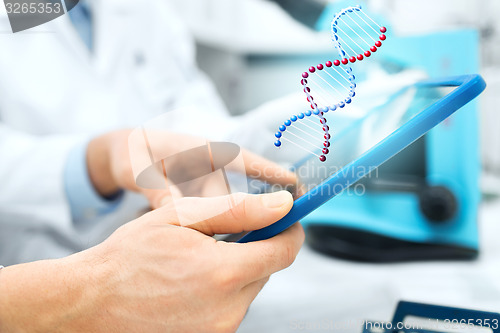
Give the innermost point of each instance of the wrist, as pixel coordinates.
(51, 296)
(99, 167)
(35, 295)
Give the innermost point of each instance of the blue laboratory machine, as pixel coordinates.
(423, 203)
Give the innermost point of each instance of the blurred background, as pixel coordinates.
(426, 229)
(255, 50)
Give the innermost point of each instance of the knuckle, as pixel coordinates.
(289, 255)
(226, 279)
(285, 255)
(228, 323)
(282, 256)
(302, 234)
(237, 207)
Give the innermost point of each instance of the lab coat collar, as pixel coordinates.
(69, 37)
(107, 17)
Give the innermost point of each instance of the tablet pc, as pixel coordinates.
(370, 141)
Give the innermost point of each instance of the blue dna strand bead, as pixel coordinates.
(308, 113)
(347, 16)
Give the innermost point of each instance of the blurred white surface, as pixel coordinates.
(253, 51)
(490, 131)
(318, 289)
(413, 17)
(249, 26)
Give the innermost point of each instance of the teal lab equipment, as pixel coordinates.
(423, 203)
(367, 143)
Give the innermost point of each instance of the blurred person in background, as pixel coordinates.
(107, 65)
(67, 89)
(65, 86)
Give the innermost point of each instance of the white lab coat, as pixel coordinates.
(54, 94)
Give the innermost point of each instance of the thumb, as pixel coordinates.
(233, 213)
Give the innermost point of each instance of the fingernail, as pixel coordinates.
(277, 199)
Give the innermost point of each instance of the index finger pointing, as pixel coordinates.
(263, 169)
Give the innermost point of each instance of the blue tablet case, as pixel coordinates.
(468, 87)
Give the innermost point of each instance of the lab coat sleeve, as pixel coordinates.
(32, 189)
(84, 201)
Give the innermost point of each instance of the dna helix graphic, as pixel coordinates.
(331, 85)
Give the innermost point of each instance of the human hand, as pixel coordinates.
(110, 167)
(153, 275)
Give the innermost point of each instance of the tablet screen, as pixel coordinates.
(393, 126)
(360, 135)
